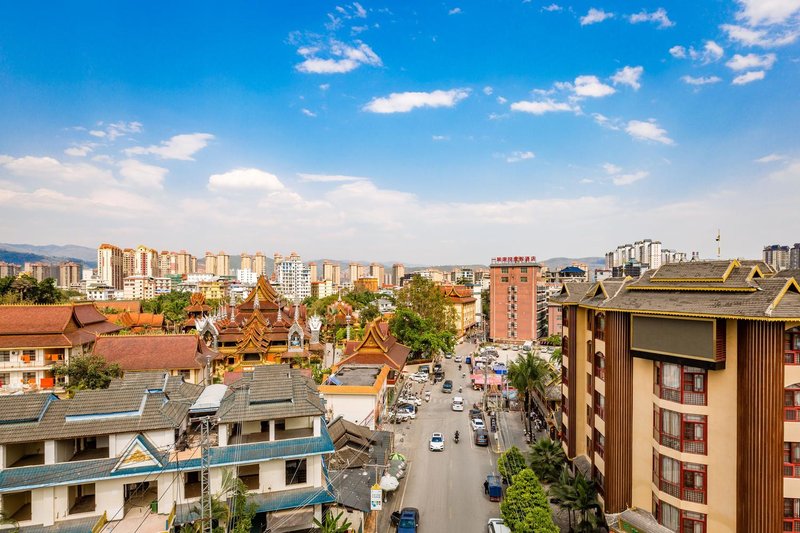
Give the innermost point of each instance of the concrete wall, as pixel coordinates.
(299, 422)
(355, 408)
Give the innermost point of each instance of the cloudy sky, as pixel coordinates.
(426, 132)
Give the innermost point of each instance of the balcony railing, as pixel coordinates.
(791, 413)
(694, 495)
(687, 398)
(791, 524)
(791, 470)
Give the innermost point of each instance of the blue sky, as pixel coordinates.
(415, 131)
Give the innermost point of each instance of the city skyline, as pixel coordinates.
(298, 124)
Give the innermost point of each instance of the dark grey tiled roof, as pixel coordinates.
(692, 270)
(758, 298)
(23, 408)
(96, 402)
(270, 392)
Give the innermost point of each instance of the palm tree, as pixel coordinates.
(547, 459)
(6, 520)
(585, 503)
(333, 523)
(529, 374)
(562, 492)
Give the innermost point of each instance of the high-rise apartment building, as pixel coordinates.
(109, 265)
(211, 263)
(777, 256)
(183, 263)
(260, 264)
(246, 262)
(794, 256)
(40, 271)
(293, 277)
(9, 269)
(398, 271)
(167, 263)
(514, 301)
(146, 262)
(376, 271)
(69, 274)
(647, 252)
(312, 269)
(681, 394)
(223, 264)
(128, 262)
(332, 271)
(354, 271)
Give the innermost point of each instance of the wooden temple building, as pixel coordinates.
(260, 330)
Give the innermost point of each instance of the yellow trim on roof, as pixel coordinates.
(755, 269)
(678, 313)
(674, 288)
(791, 282)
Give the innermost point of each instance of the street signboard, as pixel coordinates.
(376, 498)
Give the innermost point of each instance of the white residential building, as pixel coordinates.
(293, 276)
(246, 276)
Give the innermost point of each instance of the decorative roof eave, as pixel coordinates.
(693, 289)
(791, 284)
(687, 314)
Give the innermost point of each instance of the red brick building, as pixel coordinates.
(514, 310)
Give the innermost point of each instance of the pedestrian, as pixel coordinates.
(486, 487)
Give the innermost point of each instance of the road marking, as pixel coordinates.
(405, 486)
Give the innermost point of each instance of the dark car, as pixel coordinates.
(447, 386)
(481, 437)
(437, 368)
(475, 413)
(409, 520)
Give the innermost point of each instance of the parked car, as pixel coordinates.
(457, 359)
(481, 437)
(447, 386)
(410, 399)
(496, 525)
(475, 413)
(424, 368)
(448, 355)
(437, 368)
(437, 442)
(407, 409)
(419, 377)
(477, 424)
(458, 403)
(408, 521)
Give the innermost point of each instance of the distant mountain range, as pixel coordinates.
(54, 253)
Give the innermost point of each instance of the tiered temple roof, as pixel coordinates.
(378, 347)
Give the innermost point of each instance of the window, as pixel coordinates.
(681, 384)
(295, 471)
(791, 514)
(600, 326)
(564, 319)
(686, 481)
(791, 403)
(600, 480)
(792, 347)
(504, 279)
(600, 365)
(29, 378)
(682, 432)
(564, 376)
(5, 356)
(564, 405)
(504, 270)
(677, 520)
(589, 417)
(524, 270)
(599, 443)
(589, 383)
(523, 279)
(791, 459)
(600, 405)
(29, 356)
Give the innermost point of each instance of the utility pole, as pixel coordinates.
(718, 244)
(205, 467)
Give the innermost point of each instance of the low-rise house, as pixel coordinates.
(357, 393)
(116, 454)
(181, 354)
(34, 338)
(460, 299)
(379, 347)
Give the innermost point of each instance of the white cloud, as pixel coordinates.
(244, 179)
(542, 106)
(648, 131)
(751, 61)
(516, 157)
(51, 169)
(308, 112)
(501, 100)
(342, 57)
(659, 16)
(80, 150)
(611, 168)
(181, 147)
(552, 7)
(710, 53)
(594, 16)
(628, 76)
(103, 204)
(116, 129)
(771, 158)
(586, 180)
(757, 12)
(405, 102)
(488, 90)
(604, 121)
(329, 178)
(360, 11)
(749, 77)
(627, 179)
(440, 137)
(592, 87)
(678, 51)
(139, 174)
(761, 37)
(324, 86)
(702, 80)
(454, 11)
(97, 133)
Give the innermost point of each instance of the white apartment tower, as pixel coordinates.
(293, 277)
(109, 265)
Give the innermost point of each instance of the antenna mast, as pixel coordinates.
(718, 244)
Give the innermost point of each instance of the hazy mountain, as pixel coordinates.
(561, 262)
(20, 258)
(67, 251)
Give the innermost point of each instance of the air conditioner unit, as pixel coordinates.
(15, 352)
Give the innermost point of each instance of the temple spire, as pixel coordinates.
(256, 303)
(296, 310)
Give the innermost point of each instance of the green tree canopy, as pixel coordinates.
(530, 375)
(88, 371)
(547, 459)
(425, 298)
(523, 497)
(420, 334)
(511, 463)
(25, 289)
(333, 523)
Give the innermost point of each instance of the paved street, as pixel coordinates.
(447, 487)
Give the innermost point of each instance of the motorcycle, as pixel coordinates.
(456, 437)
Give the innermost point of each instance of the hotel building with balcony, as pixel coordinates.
(681, 394)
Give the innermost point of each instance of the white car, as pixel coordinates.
(410, 399)
(458, 403)
(496, 525)
(437, 442)
(457, 359)
(477, 424)
(419, 377)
